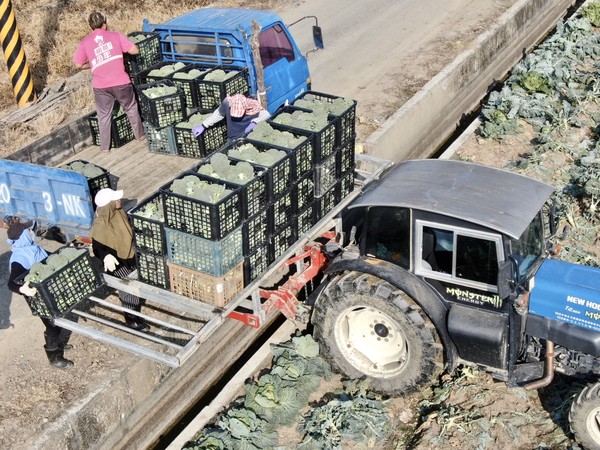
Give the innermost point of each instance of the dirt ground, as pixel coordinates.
(33, 393)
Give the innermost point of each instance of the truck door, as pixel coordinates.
(462, 265)
(286, 74)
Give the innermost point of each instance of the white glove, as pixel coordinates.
(28, 290)
(110, 263)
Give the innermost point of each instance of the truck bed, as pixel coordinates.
(124, 164)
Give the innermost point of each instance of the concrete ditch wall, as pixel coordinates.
(434, 113)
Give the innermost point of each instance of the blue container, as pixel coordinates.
(52, 197)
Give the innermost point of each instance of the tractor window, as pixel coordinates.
(460, 255)
(529, 248)
(476, 259)
(274, 45)
(388, 235)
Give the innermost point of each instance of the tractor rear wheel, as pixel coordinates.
(584, 417)
(370, 329)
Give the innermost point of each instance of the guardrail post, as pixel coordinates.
(15, 56)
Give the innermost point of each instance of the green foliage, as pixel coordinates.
(534, 82)
(222, 167)
(263, 132)
(591, 11)
(193, 187)
(354, 414)
(248, 152)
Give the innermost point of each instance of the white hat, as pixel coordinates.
(106, 195)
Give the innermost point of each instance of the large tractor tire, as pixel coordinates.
(584, 417)
(368, 328)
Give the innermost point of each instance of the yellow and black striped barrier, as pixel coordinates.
(15, 56)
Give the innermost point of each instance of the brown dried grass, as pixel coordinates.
(50, 33)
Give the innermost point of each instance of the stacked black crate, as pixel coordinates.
(286, 203)
(162, 105)
(121, 131)
(254, 181)
(220, 82)
(150, 53)
(212, 139)
(203, 233)
(338, 165)
(147, 222)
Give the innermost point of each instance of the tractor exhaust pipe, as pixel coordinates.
(549, 370)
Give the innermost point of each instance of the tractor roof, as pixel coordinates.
(498, 199)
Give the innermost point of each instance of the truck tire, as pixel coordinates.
(584, 417)
(368, 328)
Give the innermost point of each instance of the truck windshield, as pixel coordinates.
(529, 248)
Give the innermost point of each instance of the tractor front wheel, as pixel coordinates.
(584, 417)
(370, 329)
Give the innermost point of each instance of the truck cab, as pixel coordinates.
(223, 37)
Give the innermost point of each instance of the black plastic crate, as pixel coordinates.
(146, 76)
(280, 174)
(165, 110)
(253, 194)
(255, 264)
(66, 287)
(302, 155)
(191, 86)
(326, 202)
(211, 257)
(207, 220)
(150, 52)
(121, 131)
(325, 175)
(147, 222)
(305, 191)
(283, 210)
(152, 269)
(305, 219)
(188, 145)
(256, 231)
(346, 125)
(160, 139)
(281, 240)
(323, 140)
(346, 157)
(95, 182)
(346, 184)
(212, 93)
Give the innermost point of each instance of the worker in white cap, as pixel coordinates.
(112, 242)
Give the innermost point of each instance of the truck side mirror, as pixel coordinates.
(317, 36)
(505, 279)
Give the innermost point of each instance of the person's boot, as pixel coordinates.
(136, 323)
(62, 344)
(55, 356)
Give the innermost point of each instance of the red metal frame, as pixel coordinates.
(284, 297)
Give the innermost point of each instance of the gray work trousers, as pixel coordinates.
(105, 100)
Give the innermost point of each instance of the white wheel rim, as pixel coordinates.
(592, 424)
(371, 341)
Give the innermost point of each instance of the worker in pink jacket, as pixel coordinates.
(102, 52)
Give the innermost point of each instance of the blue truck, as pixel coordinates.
(223, 37)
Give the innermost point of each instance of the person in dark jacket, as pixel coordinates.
(25, 253)
(241, 114)
(112, 242)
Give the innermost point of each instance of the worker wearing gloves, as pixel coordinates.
(241, 113)
(25, 253)
(112, 242)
